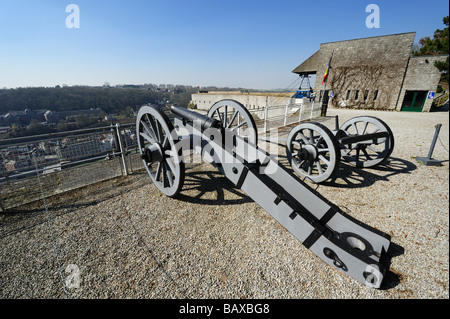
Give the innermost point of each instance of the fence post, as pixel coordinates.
(286, 114)
(122, 151)
(266, 111)
(428, 160)
(300, 111)
(1, 206)
(127, 149)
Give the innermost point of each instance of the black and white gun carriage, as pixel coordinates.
(219, 137)
(314, 151)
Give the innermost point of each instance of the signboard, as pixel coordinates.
(431, 95)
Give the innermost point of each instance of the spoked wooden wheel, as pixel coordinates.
(371, 152)
(156, 142)
(313, 151)
(234, 116)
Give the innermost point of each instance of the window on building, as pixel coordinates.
(356, 94)
(366, 94)
(348, 94)
(375, 95)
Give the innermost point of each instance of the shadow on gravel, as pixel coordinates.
(208, 188)
(349, 176)
(392, 277)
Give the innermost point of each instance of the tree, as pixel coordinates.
(36, 128)
(436, 45)
(15, 130)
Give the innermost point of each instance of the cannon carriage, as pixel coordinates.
(315, 152)
(227, 138)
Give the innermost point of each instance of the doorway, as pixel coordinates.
(414, 101)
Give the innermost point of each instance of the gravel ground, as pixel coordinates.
(123, 239)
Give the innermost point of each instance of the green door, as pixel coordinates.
(414, 101)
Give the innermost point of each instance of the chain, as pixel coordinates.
(180, 290)
(442, 143)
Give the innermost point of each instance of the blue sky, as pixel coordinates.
(250, 44)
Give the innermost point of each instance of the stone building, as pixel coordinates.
(81, 149)
(374, 73)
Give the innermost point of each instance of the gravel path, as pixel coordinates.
(123, 239)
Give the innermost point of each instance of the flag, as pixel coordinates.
(326, 74)
(327, 70)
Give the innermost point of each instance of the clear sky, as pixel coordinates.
(245, 43)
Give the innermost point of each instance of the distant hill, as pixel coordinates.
(109, 99)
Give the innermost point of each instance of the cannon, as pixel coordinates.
(340, 240)
(314, 151)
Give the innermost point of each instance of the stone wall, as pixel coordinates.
(362, 67)
(251, 100)
(421, 75)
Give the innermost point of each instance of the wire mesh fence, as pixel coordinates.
(63, 161)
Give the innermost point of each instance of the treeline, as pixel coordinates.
(110, 99)
(438, 44)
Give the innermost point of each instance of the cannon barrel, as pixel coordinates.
(206, 122)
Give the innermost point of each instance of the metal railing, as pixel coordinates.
(275, 116)
(64, 161)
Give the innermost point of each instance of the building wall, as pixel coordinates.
(78, 150)
(365, 66)
(252, 100)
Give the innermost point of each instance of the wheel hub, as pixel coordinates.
(312, 151)
(308, 153)
(152, 153)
